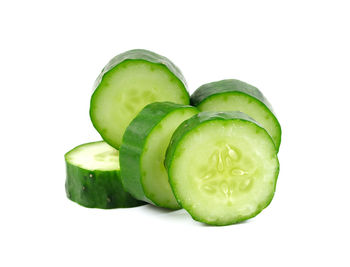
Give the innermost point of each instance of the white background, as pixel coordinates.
(296, 52)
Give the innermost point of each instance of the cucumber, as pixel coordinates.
(129, 82)
(222, 167)
(234, 95)
(142, 152)
(93, 177)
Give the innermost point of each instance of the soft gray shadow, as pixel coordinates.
(208, 225)
(157, 210)
(181, 215)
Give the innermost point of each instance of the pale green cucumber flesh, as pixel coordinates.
(125, 89)
(143, 151)
(93, 177)
(154, 175)
(222, 170)
(94, 156)
(247, 104)
(235, 95)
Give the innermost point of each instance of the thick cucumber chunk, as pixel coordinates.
(222, 167)
(93, 177)
(234, 95)
(142, 152)
(129, 82)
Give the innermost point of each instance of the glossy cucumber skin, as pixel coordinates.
(206, 91)
(191, 124)
(134, 141)
(224, 86)
(97, 189)
(141, 54)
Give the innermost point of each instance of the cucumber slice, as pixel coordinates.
(222, 167)
(142, 152)
(93, 177)
(129, 82)
(231, 95)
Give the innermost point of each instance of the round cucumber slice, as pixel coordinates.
(234, 95)
(93, 177)
(142, 152)
(129, 82)
(222, 167)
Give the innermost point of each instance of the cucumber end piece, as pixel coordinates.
(93, 178)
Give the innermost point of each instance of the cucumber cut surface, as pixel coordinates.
(235, 95)
(129, 82)
(142, 152)
(93, 177)
(222, 167)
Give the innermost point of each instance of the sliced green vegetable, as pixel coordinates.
(142, 152)
(93, 177)
(234, 95)
(222, 167)
(129, 82)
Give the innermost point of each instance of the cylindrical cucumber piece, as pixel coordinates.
(93, 177)
(235, 95)
(222, 167)
(142, 152)
(129, 82)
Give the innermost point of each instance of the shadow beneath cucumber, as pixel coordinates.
(157, 210)
(180, 215)
(208, 225)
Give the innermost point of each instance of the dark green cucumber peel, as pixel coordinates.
(132, 147)
(134, 142)
(227, 86)
(121, 61)
(231, 86)
(190, 125)
(97, 189)
(141, 54)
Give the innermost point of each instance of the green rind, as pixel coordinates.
(139, 55)
(223, 86)
(97, 189)
(191, 124)
(134, 141)
(206, 91)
